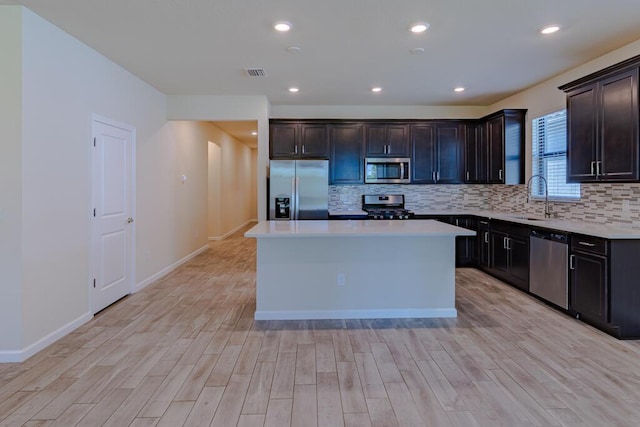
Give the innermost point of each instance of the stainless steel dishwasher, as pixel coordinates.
(549, 266)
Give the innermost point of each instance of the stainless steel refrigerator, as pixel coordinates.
(298, 189)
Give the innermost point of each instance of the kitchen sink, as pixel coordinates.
(528, 218)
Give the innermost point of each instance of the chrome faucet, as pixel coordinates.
(547, 212)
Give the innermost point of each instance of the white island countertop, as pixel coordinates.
(358, 227)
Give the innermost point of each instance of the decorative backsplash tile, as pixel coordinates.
(599, 203)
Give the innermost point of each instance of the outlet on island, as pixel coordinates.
(341, 279)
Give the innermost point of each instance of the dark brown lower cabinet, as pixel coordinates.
(466, 246)
(483, 244)
(509, 254)
(589, 286)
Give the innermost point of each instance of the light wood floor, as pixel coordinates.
(186, 351)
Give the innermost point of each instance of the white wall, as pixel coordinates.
(172, 215)
(46, 186)
(375, 112)
(10, 178)
(64, 82)
(232, 182)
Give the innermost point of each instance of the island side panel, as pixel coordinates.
(385, 277)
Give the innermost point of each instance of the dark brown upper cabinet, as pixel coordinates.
(298, 140)
(504, 136)
(387, 139)
(346, 164)
(475, 154)
(602, 125)
(494, 148)
(437, 153)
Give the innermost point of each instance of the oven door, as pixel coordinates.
(383, 170)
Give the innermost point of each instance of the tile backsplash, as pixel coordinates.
(617, 204)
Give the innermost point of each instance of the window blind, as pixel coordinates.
(550, 157)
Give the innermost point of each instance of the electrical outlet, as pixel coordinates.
(341, 279)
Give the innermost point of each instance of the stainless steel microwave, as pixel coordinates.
(383, 170)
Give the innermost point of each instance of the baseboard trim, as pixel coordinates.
(160, 274)
(229, 233)
(22, 355)
(426, 313)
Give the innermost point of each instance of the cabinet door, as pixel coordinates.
(618, 133)
(475, 156)
(313, 141)
(519, 262)
(387, 139)
(423, 147)
(449, 142)
(495, 149)
(499, 254)
(589, 296)
(465, 246)
(376, 140)
(283, 140)
(346, 143)
(581, 134)
(484, 248)
(397, 140)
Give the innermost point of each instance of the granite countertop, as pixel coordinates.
(605, 231)
(355, 228)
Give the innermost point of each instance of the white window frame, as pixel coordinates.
(542, 157)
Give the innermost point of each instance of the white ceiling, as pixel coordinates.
(492, 47)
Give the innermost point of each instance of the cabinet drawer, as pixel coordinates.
(591, 244)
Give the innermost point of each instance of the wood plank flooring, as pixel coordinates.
(186, 351)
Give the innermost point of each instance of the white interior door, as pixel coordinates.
(113, 212)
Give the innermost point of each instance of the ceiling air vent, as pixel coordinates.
(256, 72)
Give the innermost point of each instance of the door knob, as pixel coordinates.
(129, 220)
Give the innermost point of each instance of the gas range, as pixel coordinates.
(385, 206)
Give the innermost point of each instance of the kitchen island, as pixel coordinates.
(355, 269)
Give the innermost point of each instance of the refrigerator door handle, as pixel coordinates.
(293, 208)
(297, 196)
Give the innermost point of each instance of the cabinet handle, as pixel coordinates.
(508, 243)
(433, 176)
(484, 222)
(592, 168)
(467, 175)
(504, 243)
(389, 149)
(437, 176)
(457, 222)
(598, 164)
(587, 244)
(486, 237)
(500, 174)
(295, 150)
(302, 148)
(572, 265)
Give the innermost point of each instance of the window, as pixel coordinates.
(550, 157)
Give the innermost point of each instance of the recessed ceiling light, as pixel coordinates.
(293, 49)
(549, 29)
(459, 89)
(293, 89)
(282, 26)
(416, 50)
(254, 133)
(419, 28)
(376, 89)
